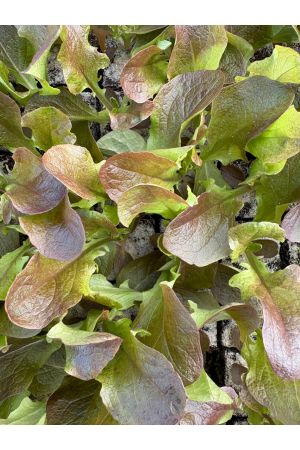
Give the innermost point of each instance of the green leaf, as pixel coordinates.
(42, 37)
(150, 199)
(126, 170)
(130, 114)
(11, 133)
(121, 141)
(8, 329)
(236, 56)
(197, 47)
(73, 166)
(31, 188)
(28, 413)
(57, 234)
(80, 61)
(141, 273)
(87, 353)
(241, 236)
(208, 404)
(199, 235)
(49, 127)
(50, 376)
(97, 225)
(193, 277)
(279, 295)
(72, 106)
(32, 302)
(260, 35)
(20, 364)
(16, 53)
(275, 192)
(103, 292)
(173, 332)
(10, 265)
(280, 396)
(78, 402)
(241, 112)
(85, 138)
(207, 310)
(140, 385)
(144, 74)
(178, 102)
(276, 144)
(283, 65)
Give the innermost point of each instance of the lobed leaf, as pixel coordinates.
(80, 61)
(291, 224)
(49, 127)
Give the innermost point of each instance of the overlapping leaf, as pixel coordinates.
(32, 302)
(199, 234)
(279, 296)
(124, 171)
(57, 234)
(87, 353)
(140, 385)
(197, 47)
(31, 188)
(241, 112)
(178, 101)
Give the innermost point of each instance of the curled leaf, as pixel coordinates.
(149, 199)
(33, 301)
(144, 74)
(140, 385)
(73, 166)
(241, 236)
(87, 353)
(279, 296)
(291, 224)
(241, 112)
(49, 127)
(57, 234)
(173, 332)
(31, 188)
(197, 47)
(178, 101)
(279, 395)
(199, 234)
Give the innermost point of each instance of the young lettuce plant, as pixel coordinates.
(93, 333)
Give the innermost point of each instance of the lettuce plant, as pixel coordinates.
(89, 332)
